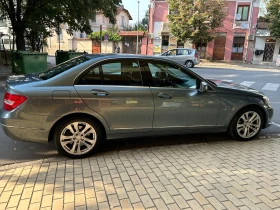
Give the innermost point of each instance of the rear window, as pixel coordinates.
(63, 67)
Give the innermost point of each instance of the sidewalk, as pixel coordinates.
(237, 64)
(216, 175)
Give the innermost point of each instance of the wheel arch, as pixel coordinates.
(260, 108)
(102, 127)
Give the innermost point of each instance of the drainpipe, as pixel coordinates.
(250, 26)
(148, 31)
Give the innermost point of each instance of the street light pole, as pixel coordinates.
(137, 31)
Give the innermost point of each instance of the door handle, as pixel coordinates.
(99, 93)
(165, 96)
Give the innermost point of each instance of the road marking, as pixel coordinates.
(247, 83)
(271, 86)
(275, 124)
(226, 80)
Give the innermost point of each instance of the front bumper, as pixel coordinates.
(269, 111)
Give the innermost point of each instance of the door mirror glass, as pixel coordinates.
(203, 87)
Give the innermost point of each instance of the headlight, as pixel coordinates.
(266, 100)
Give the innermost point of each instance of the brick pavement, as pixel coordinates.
(217, 175)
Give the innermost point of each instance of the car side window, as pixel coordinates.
(92, 77)
(124, 73)
(171, 75)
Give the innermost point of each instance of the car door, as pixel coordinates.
(115, 90)
(181, 56)
(178, 102)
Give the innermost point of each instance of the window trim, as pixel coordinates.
(242, 6)
(152, 84)
(99, 63)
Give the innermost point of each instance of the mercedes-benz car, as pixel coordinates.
(92, 98)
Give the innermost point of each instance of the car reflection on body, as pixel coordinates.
(91, 98)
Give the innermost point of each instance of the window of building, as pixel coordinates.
(201, 47)
(123, 22)
(165, 41)
(81, 35)
(243, 10)
(93, 18)
(238, 44)
(60, 36)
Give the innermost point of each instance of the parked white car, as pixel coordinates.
(185, 56)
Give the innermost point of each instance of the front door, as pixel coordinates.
(115, 90)
(219, 48)
(178, 103)
(268, 51)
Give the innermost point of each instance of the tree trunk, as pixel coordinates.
(20, 42)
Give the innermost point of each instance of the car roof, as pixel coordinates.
(102, 56)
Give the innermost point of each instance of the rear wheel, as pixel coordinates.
(77, 137)
(189, 64)
(247, 124)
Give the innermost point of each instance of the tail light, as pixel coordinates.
(12, 101)
(195, 55)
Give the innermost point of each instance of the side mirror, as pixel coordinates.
(203, 87)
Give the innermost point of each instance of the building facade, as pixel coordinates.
(234, 41)
(267, 48)
(79, 41)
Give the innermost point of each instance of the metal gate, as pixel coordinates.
(268, 51)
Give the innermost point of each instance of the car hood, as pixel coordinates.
(223, 85)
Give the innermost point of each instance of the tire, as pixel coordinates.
(85, 134)
(246, 124)
(189, 64)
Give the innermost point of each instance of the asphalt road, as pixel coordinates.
(15, 151)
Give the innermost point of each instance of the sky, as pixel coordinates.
(132, 7)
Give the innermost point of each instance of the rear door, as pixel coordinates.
(115, 90)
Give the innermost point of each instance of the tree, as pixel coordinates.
(273, 16)
(196, 20)
(25, 15)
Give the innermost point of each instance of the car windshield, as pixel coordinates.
(63, 67)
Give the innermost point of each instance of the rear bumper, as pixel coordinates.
(20, 126)
(25, 133)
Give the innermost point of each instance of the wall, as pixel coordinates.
(260, 44)
(81, 45)
(53, 43)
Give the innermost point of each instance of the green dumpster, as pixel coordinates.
(62, 56)
(24, 62)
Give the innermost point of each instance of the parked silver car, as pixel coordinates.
(88, 99)
(184, 56)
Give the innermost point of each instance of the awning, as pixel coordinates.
(263, 32)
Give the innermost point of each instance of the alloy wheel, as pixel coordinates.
(78, 138)
(249, 124)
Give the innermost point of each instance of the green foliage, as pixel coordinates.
(273, 16)
(113, 35)
(26, 14)
(196, 20)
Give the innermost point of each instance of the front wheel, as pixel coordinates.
(247, 124)
(77, 137)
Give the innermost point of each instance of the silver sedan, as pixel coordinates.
(84, 101)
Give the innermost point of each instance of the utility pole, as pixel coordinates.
(137, 31)
(100, 37)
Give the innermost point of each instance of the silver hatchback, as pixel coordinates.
(185, 56)
(84, 101)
